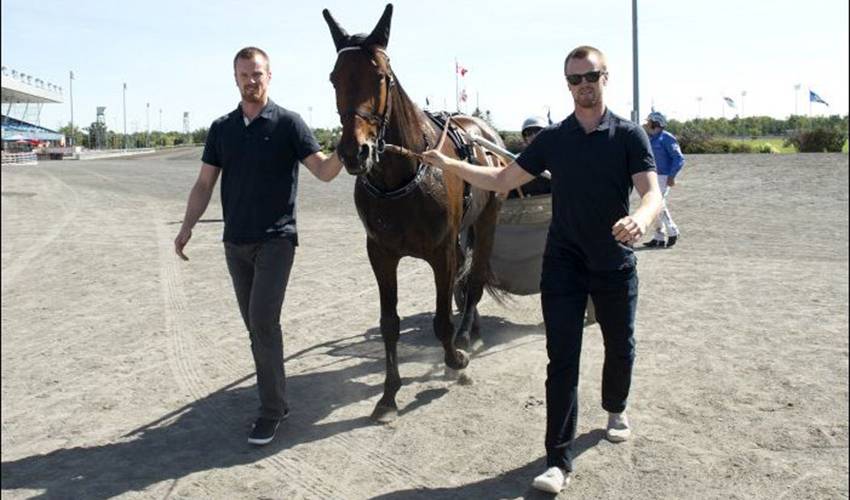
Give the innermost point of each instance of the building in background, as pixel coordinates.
(23, 97)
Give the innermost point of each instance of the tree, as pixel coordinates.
(76, 137)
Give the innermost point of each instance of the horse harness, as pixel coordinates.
(381, 119)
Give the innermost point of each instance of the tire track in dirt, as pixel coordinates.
(77, 220)
(293, 469)
(69, 209)
(191, 381)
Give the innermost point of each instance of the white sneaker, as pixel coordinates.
(618, 428)
(552, 481)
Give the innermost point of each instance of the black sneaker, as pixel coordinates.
(671, 241)
(265, 429)
(656, 243)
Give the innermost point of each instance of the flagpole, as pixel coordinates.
(796, 97)
(457, 89)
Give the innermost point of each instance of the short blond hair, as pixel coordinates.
(248, 53)
(582, 52)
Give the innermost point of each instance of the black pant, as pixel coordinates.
(565, 285)
(260, 272)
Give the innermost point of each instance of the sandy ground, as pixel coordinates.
(126, 372)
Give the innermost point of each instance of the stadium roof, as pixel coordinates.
(22, 88)
(17, 130)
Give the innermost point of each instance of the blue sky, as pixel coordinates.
(178, 55)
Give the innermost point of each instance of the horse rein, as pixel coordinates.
(382, 120)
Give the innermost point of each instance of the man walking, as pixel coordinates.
(257, 149)
(669, 160)
(595, 158)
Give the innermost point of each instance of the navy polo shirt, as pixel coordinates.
(591, 183)
(259, 171)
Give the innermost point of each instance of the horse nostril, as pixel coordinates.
(365, 150)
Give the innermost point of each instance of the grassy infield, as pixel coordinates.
(777, 142)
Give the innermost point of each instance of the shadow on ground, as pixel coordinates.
(512, 484)
(209, 433)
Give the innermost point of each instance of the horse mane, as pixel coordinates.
(410, 119)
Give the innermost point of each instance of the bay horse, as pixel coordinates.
(407, 208)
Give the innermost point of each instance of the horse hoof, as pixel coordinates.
(384, 414)
(459, 361)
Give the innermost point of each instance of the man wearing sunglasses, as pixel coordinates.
(595, 158)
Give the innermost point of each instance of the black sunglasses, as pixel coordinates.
(590, 76)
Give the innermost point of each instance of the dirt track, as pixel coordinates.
(126, 372)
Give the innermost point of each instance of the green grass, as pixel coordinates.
(777, 142)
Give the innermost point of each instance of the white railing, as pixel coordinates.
(19, 159)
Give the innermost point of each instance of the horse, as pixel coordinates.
(406, 207)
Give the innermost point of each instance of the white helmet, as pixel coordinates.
(534, 121)
(658, 118)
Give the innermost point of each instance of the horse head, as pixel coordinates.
(363, 82)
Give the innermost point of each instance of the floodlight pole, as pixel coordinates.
(71, 93)
(147, 124)
(125, 116)
(635, 92)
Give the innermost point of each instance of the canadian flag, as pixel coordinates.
(460, 69)
(463, 95)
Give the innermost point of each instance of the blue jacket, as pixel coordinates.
(668, 155)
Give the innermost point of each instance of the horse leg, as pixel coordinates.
(483, 231)
(444, 266)
(385, 266)
(462, 284)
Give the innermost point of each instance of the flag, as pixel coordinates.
(427, 102)
(460, 69)
(463, 95)
(549, 116)
(816, 98)
(729, 101)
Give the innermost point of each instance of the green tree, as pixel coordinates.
(74, 137)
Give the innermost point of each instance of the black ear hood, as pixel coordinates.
(379, 36)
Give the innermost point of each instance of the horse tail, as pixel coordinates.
(500, 295)
(467, 258)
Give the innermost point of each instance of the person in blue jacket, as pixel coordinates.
(669, 161)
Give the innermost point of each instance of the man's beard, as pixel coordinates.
(587, 100)
(252, 95)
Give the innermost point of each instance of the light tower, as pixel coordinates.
(186, 125)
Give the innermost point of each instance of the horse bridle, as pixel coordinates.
(379, 119)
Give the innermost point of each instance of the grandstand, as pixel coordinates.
(23, 97)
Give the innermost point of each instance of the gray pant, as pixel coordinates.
(260, 272)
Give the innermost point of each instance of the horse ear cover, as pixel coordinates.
(338, 34)
(380, 36)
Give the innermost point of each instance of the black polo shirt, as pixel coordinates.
(259, 171)
(591, 183)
